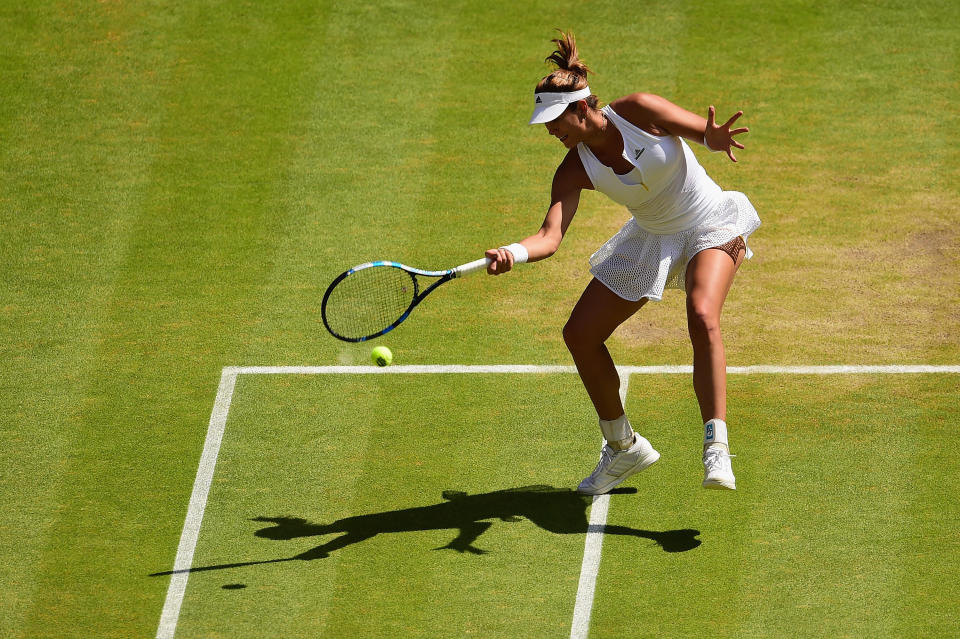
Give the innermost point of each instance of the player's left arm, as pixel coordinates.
(662, 117)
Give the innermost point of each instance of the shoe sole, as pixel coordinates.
(719, 484)
(644, 462)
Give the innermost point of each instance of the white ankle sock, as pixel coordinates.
(618, 432)
(715, 433)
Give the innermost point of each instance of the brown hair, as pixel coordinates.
(571, 72)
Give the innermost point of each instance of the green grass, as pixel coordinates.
(836, 529)
(832, 520)
(313, 465)
(178, 183)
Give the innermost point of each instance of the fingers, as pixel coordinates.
(502, 261)
(711, 117)
(733, 143)
(733, 118)
(729, 132)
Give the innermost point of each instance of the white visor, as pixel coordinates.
(550, 106)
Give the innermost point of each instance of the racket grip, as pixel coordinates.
(470, 267)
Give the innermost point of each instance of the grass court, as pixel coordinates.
(180, 182)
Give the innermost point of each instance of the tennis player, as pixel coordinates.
(685, 232)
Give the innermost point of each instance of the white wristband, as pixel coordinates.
(520, 254)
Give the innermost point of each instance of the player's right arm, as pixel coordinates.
(569, 179)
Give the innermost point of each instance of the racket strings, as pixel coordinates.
(369, 301)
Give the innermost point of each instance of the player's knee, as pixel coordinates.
(703, 318)
(570, 333)
(575, 334)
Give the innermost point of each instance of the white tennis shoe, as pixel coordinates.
(615, 466)
(717, 469)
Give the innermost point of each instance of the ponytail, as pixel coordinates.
(571, 72)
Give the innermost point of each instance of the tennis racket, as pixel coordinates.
(374, 298)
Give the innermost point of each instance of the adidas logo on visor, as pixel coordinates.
(549, 105)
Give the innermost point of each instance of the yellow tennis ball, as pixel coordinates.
(381, 356)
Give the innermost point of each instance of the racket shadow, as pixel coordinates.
(557, 510)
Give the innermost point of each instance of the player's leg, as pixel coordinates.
(709, 277)
(594, 318)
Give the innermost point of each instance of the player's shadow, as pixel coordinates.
(557, 510)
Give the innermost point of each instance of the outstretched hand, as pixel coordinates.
(720, 138)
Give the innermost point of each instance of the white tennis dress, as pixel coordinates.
(677, 211)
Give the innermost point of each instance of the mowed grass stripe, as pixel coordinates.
(413, 134)
(406, 109)
(358, 177)
(76, 168)
(342, 216)
(219, 135)
(930, 544)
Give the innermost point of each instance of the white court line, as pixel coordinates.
(629, 370)
(198, 503)
(228, 378)
(592, 547)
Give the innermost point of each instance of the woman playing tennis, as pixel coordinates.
(685, 233)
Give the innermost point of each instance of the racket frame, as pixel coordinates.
(442, 277)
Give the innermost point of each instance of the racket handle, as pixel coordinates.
(470, 267)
